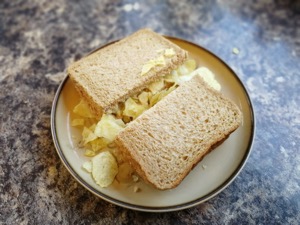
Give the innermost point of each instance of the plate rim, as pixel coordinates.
(182, 206)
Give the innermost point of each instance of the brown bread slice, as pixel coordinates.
(113, 73)
(169, 139)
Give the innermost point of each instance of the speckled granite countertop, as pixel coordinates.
(39, 38)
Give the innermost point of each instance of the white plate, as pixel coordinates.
(215, 172)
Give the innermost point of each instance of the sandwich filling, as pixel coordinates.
(98, 136)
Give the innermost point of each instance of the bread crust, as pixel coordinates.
(140, 133)
(113, 73)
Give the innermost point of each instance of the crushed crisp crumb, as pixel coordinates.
(135, 178)
(235, 50)
(136, 189)
(204, 167)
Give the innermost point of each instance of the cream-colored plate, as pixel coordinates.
(216, 171)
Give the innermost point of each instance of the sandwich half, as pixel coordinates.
(113, 73)
(162, 117)
(169, 139)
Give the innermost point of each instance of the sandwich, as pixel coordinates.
(168, 140)
(112, 74)
(157, 114)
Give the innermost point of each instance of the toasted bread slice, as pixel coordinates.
(113, 73)
(169, 139)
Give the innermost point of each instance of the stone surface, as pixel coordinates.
(39, 38)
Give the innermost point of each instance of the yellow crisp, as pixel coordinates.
(144, 98)
(190, 64)
(82, 109)
(182, 70)
(92, 127)
(159, 61)
(160, 95)
(87, 166)
(208, 77)
(89, 153)
(109, 127)
(104, 168)
(133, 109)
(172, 77)
(156, 86)
(169, 52)
(154, 99)
(98, 144)
(87, 135)
(146, 68)
(77, 122)
(125, 173)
